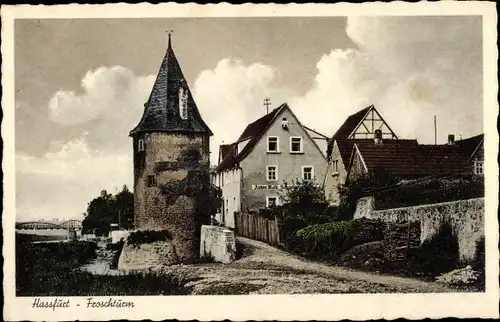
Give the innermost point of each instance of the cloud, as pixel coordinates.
(111, 104)
(59, 184)
(231, 95)
(411, 68)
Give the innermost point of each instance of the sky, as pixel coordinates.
(81, 85)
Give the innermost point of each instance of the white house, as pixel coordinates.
(272, 151)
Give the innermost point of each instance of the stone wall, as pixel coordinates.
(180, 164)
(466, 218)
(147, 256)
(219, 243)
(119, 235)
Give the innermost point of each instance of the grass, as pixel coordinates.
(53, 270)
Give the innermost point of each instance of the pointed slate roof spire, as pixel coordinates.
(162, 110)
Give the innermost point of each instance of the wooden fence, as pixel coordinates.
(259, 228)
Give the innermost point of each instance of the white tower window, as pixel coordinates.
(140, 145)
(183, 97)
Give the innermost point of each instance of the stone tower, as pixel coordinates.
(171, 162)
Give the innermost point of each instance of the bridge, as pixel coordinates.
(67, 225)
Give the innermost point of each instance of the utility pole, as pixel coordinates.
(267, 102)
(435, 131)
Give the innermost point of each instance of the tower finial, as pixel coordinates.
(170, 31)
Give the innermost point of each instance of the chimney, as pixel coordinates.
(378, 136)
(451, 139)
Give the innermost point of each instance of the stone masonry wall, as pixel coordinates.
(466, 218)
(180, 164)
(147, 256)
(219, 243)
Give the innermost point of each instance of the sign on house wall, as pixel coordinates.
(275, 186)
(267, 186)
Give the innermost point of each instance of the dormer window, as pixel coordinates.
(183, 96)
(284, 123)
(140, 145)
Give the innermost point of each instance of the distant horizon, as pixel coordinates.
(81, 84)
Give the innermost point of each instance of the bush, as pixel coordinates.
(428, 192)
(147, 236)
(437, 255)
(330, 240)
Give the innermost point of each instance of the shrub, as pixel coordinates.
(429, 191)
(330, 240)
(436, 255)
(147, 236)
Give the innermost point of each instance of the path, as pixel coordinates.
(267, 270)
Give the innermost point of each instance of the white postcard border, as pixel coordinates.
(261, 307)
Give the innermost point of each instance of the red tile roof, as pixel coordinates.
(445, 160)
(407, 158)
(345, 148)
(470, 145)
(253, 131)
(402, 158)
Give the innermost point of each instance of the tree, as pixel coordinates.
(107, 209)
(304, 204)
(351, 191)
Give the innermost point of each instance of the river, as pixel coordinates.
(101, 265)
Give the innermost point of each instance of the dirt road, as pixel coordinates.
(267, 270)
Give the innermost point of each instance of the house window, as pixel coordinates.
(151, 181)
(272, 173)
(478, 167)
(183, 97)
(227, 205)
(295, 145)
(335, 167)
(307, 173)
(272, 144)
(140, 145)
(271, 202)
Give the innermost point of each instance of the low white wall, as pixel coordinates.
(118, 235)
(466, 218)
(219, 243)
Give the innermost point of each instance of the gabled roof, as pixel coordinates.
(224, 149)
(345, 148)
(346, 132)
(470, 145)
(351, 123)
(161, 111)
(253, 132)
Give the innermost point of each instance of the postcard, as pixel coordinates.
(250, 162)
